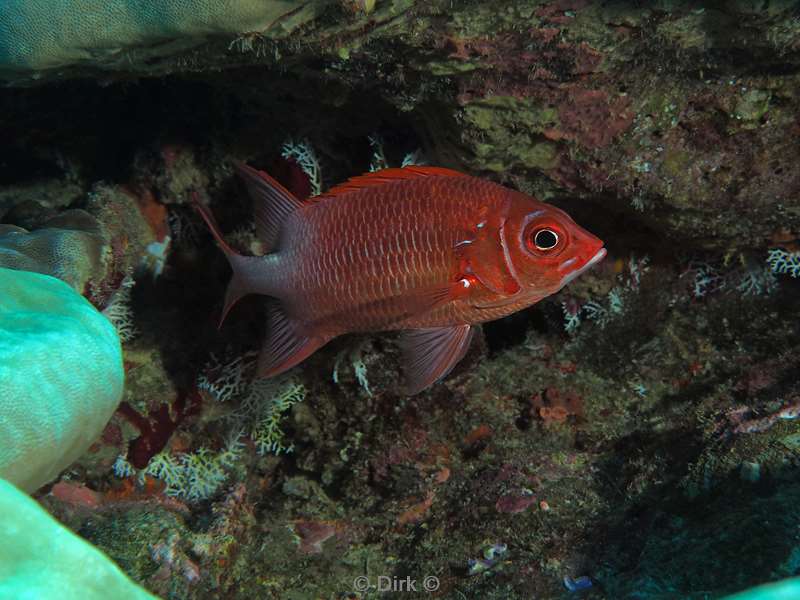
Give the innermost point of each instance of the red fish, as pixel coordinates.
(425, 250)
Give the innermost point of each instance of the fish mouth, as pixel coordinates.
(599, 255)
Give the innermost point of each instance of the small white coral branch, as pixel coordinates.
(269, 402)
(359, 365)
(757, 281)
(303, 154)
(122, 467)
(572, 316)
(605, 310)
(414, 158)
(119, 312)
(784, 262)
(198, 475)
(378, 161)
(228, 380)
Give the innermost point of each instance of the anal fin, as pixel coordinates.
(287, 343)
(431, 353)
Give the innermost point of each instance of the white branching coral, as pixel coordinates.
(302, 152)
(168, 469)
(122, 467)
(263, 403)
(306, 158)
(755, 280)
(195, 476)
(202, 473)
(119, 312)
(745, 276)
(614, 304)
(572, 316)
(784, 262)
(706, 279)
(414, 158)
(264, 408)
(223, 381)
(605, 312)
(355, 359)
(378, 160)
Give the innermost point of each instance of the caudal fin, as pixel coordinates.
(249, 274)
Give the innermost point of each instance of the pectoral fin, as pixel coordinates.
(431, 353)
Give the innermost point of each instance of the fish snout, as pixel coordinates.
(590, 252)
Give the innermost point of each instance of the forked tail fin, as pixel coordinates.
(251, 274)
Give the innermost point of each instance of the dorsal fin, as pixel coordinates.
(384, 176)
(272, 203)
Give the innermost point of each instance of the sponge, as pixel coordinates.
(70, 246)
(41, 559)
(788, 589)
(61, 376)
(43, 34)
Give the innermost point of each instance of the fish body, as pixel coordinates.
(425, 250)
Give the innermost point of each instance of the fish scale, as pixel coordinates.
(378, 269)
(425, 250)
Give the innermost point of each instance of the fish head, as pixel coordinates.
(544, 248)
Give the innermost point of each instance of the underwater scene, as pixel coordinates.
(411, 299)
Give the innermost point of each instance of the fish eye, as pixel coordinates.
(545, 239)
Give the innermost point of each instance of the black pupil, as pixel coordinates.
(545, 239)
